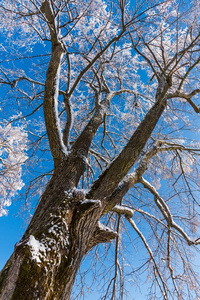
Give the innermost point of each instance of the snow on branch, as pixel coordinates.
(102, 234)
(121, 209)
(187, 97)
(52, 121)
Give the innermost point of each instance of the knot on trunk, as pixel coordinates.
(102, 234)
(87, 206)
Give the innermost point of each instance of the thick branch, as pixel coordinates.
(128, 156)
(47, 9)
(131, 179)
(187, 97)
(51, 94)
(124, 210)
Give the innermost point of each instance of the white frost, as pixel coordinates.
(91, 201)
(36, 249)
(124, 209)
(105, 228)
(13, 146)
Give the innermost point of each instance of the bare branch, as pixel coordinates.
(128, 213)
(164, 209)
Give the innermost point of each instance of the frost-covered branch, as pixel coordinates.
(164, 209)
(98, 55)
(14, 82)
(52, 90)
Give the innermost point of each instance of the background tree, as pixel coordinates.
(119, 97)
(13, 143)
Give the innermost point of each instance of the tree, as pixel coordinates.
(13, 142)
(119, 96)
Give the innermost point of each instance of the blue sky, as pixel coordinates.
(12, 228)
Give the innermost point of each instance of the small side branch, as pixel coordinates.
(117, 265)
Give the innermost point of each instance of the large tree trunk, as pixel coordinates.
(45, 262)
